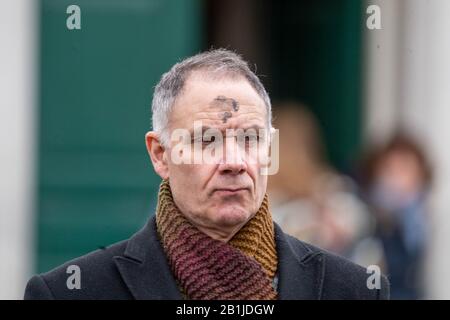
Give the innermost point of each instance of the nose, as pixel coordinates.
(233, 162)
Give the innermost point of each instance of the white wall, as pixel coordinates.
(17, 143)
(408, 85)
(436, 121)
(382, 72)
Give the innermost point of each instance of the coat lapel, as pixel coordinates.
(300, 270)
(144, 267)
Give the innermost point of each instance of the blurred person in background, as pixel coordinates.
(397, 179)
(310, 200)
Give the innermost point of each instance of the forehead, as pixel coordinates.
(221, 103)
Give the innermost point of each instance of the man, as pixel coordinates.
(212, 236)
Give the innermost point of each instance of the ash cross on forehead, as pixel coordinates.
(223, 102)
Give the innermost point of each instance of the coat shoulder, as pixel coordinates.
(342, 278)
(96, 273)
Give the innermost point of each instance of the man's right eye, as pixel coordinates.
(203, 142)
(210, 139)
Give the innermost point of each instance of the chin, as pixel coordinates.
(232, 215)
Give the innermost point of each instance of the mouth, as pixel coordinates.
(230, 191)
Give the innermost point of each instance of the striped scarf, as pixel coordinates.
(205, 268)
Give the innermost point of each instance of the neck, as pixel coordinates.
(223, 234)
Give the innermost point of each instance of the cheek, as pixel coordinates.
(192, 177)
(255, 166)
(260, 190)
(262, 185)
(259, 180)
(253, 171)
(181, 173)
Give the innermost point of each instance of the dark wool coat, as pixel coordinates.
(137, 268)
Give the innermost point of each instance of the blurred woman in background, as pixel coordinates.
(310, 199)
(397, 180)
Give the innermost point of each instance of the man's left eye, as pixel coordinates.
(249, 139)
(209, 140)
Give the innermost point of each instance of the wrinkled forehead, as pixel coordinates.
(219, 103)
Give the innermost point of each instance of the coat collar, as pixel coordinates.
(300, 269)
(146, 272)
(144, 267)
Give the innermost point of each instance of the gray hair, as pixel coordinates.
(217, 62)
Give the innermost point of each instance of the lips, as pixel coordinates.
(230, 191)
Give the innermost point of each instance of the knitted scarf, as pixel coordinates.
(205, 268)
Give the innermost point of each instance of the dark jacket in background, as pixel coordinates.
(137, 268)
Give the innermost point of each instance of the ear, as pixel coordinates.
(157, 154)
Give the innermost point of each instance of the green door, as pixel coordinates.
(96, 184)
(316, 49)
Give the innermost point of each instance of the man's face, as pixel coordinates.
(223, 195)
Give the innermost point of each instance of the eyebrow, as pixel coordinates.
(205, 128)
